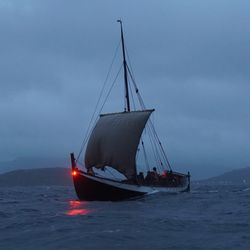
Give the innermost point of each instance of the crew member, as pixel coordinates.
(90, 171)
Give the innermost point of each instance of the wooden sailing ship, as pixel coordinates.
(113, 143)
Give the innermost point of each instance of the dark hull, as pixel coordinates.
(93, 189)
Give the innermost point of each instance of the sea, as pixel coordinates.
(51, 217)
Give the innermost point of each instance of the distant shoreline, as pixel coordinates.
(62, 177)
(37, 177)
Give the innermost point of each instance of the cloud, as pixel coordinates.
(190, 61)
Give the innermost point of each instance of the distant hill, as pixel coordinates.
(37, 177)
(62, 177)
(236, 176)
(33, 162)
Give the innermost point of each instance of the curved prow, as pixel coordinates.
(73, 161)
(73, 164)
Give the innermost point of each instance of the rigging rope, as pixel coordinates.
(89, 133)
(131, 94)
(150, 122)
(145, 156)
(110, 89)
(157, 148)
(99, 99)
(154, 149)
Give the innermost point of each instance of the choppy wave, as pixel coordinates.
(209, 217)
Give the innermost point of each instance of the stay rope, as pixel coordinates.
(151, 126)
(97, 104)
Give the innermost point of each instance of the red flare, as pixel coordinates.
(74, 173)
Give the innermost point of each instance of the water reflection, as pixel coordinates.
(78, 208)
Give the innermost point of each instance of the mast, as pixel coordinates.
(125, 68)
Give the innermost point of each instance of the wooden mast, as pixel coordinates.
(125, 69)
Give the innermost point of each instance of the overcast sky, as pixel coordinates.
(190, 59)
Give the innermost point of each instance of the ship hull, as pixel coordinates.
(92, 188)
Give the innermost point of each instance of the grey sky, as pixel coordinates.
(190, 58)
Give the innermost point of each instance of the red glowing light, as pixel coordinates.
(74, 212)
(74, 173)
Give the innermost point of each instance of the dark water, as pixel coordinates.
(52, 218)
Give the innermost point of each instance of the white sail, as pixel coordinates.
(114, 141)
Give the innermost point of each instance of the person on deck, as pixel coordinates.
(152, 177)
(155, 174)
(90, 171)
(140, 178)
(148, 178)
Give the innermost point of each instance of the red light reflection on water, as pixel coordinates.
(78, 208)
(75, 203)
(74, 212)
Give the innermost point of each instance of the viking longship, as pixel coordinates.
(113, 144)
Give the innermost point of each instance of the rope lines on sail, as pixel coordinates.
(159, 155)
(146, 135)
(90, 131)
(110, 89)
(145, 156)
(155, 151)
(151, 126)
(152, 141)
(124, 100)
(131, 94)
(97, 104)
